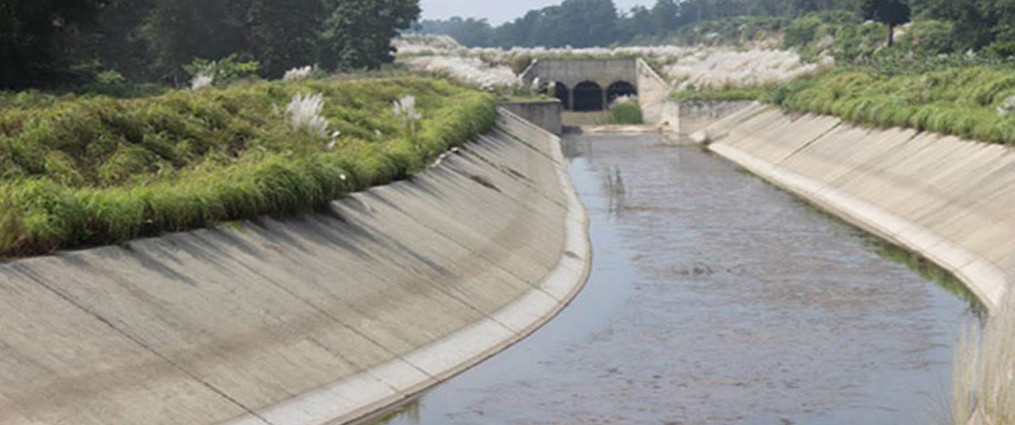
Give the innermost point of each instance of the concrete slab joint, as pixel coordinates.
(319, 319)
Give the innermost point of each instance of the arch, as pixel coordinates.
(588, 96)
(561, 92)
(618, 89)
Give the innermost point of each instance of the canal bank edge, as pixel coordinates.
(325, 318)
(942, 197)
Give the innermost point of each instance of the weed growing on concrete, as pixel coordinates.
(984, 381)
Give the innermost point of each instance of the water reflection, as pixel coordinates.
(408, 414)
(615, 190)
(931, 272)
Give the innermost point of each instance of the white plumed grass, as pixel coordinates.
(690, 68)
(719, 69)
(304, 114)
(405, 109)
(299, 74)
(202, 80)
(469, 70)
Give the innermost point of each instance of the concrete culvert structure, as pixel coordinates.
(561, 92)
(588, 96)
(620, 89)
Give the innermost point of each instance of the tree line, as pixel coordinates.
(586, 23)
(52, 42)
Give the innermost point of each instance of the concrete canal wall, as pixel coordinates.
(948, 199)
(544, 114)
(310, 320)
(682, 119)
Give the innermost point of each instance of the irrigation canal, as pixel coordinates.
(716, 299)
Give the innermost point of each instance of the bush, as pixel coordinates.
(801, 32)
(626, 113)
(95, 170)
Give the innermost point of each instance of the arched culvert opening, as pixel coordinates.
(588, 96)
(620, 89)
(561, 92)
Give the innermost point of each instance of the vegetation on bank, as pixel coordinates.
(78, 171)
(625, 112)
(975, 103)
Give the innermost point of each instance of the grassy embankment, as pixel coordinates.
(971, 102)
(94, 170)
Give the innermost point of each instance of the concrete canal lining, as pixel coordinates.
(947, 199)
(318, 319)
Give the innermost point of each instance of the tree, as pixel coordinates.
(357, 33)
(583, 23)
(30, 53)
(469, 32)
(114, 43)
(637, 23)
(179, 31)
(282, 34)
(999, 15)
(665, 16)
(889, 12)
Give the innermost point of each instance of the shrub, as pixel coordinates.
(801, 32)
(625, 112)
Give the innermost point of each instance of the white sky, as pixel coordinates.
(499, 11)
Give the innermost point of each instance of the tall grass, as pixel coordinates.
(984, 383)
(94, 170)
(964, 102)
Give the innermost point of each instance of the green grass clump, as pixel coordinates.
(625, 113)
(95, 170)
(731, 94)
(963, 102)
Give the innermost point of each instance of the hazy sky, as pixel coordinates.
(499, 11)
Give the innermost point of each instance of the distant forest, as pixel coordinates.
(45, 43)
(584, 23)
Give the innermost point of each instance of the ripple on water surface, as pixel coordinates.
(716, 299)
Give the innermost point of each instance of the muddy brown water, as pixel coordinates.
(715, 298)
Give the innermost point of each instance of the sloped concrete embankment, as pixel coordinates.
(949, 200)
(322, 318)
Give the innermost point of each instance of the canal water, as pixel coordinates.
(716, 299)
